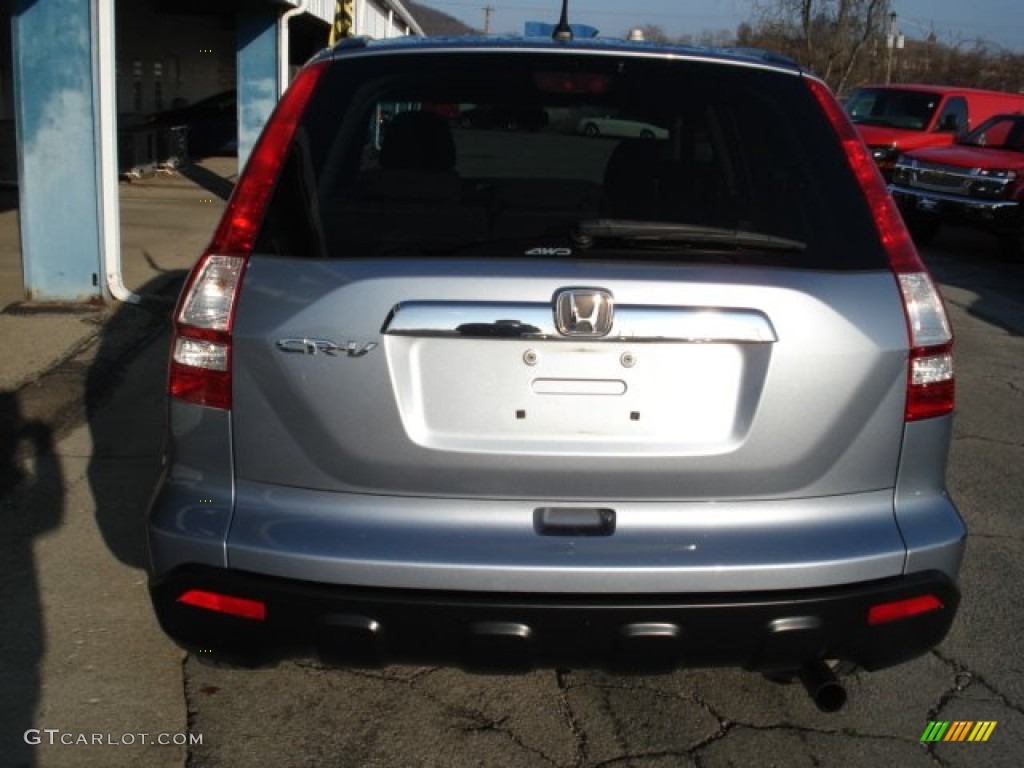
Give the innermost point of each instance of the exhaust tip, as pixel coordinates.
(824, 688)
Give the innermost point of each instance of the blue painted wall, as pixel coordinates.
(56, 129)
(257, 76)
(55, 82)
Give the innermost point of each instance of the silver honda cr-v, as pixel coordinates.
(458, 380)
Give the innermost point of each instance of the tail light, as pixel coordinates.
(201, 350)
(200, 370)
(930, 380)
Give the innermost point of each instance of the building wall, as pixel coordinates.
(172, 53)
(58, 138)
(321, 9)
(167, 58)
(377, 20)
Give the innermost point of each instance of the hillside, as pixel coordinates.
(437, 24)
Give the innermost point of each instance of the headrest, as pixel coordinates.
(632, 178)
(418, 140)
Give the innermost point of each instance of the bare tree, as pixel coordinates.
(716, 38)
(845, 42)
(829, 37)
(973, 63)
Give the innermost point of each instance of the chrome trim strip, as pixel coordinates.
(517, 321)
(966, 202)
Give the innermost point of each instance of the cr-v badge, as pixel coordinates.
(325, 347)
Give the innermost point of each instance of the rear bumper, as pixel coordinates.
(994, 215)
(758, 631)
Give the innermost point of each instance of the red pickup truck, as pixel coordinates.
(893, 119)
(976, 182)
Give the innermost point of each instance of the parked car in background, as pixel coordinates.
(503, 117)
(893, 119)
(977, 182)
(619, 127)
(523, 398)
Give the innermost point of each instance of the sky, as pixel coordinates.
(954, 21)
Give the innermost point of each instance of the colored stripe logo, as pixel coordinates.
(958, 730)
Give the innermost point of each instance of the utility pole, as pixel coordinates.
(893, 40)
(488, 10)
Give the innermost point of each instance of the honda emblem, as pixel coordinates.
(584, 312)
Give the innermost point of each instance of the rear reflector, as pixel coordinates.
(903, 609)
(233, 606)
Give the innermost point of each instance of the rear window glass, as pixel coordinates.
(527, 154)
(1002, 132)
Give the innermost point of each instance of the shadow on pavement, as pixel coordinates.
(125, 406)
(122, 390)
(972, 262)
(31, 504)
(8, 199)
(208, 180)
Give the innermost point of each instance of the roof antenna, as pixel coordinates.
(563, 31)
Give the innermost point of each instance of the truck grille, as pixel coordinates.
(940, 178)
(953, 179)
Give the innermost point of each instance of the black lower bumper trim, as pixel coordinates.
(766, 631)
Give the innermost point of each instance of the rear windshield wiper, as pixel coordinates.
(589, 231)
